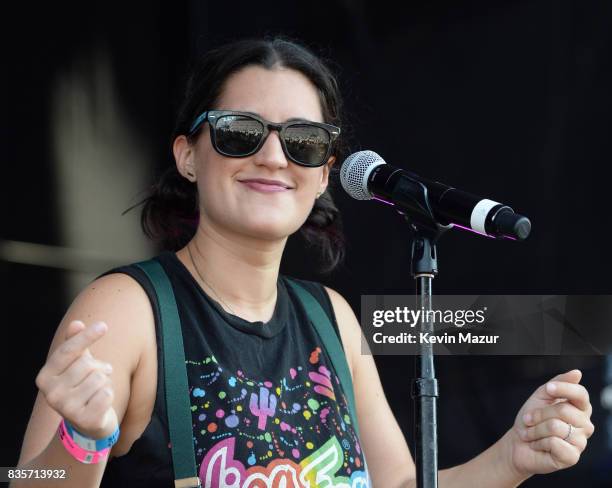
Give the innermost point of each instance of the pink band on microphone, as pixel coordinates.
(80, 454)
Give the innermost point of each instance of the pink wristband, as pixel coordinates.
(80, 454)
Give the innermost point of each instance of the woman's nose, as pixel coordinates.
(271, 153)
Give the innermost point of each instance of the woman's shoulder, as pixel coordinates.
(120, 298)
(136, 285)
(117, 298)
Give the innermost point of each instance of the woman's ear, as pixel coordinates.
(325, 174)
(183, 155)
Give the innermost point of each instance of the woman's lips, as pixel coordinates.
(264, 187)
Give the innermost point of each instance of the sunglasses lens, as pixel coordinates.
(307, 144)
(237, 135)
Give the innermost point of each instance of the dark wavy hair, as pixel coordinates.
(170, 214)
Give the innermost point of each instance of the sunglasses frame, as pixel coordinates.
(212, 116)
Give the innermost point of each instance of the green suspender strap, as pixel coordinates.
(178, 404)
(331, 341)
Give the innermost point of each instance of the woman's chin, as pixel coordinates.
(269, 230)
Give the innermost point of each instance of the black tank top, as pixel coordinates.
(267, 406)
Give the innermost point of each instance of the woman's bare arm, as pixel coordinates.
(122, 304)
(538, 442)
(389, 460)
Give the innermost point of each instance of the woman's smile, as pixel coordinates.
(266, 186)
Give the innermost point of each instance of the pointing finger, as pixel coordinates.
(73, 329)
(76, 345)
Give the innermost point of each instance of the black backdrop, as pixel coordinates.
(509, 99)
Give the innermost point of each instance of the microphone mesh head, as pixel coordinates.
(355, 172)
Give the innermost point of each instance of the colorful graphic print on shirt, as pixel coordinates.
(294, 431)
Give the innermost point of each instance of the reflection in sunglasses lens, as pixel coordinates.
(307, 143)
(238, 135)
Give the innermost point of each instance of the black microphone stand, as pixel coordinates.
(424, 266)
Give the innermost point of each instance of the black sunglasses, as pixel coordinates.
(241, 134)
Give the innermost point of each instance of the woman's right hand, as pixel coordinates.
(78, 386)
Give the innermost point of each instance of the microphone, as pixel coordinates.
(366, 176)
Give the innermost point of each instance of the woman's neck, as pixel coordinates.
(240, 273)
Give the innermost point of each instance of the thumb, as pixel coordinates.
(73, 329)
(572, 376)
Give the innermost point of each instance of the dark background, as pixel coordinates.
(508, 99)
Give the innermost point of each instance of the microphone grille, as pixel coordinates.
(355, 171)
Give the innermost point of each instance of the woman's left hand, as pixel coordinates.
(551, 429)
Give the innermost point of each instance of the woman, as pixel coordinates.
(266, 401)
